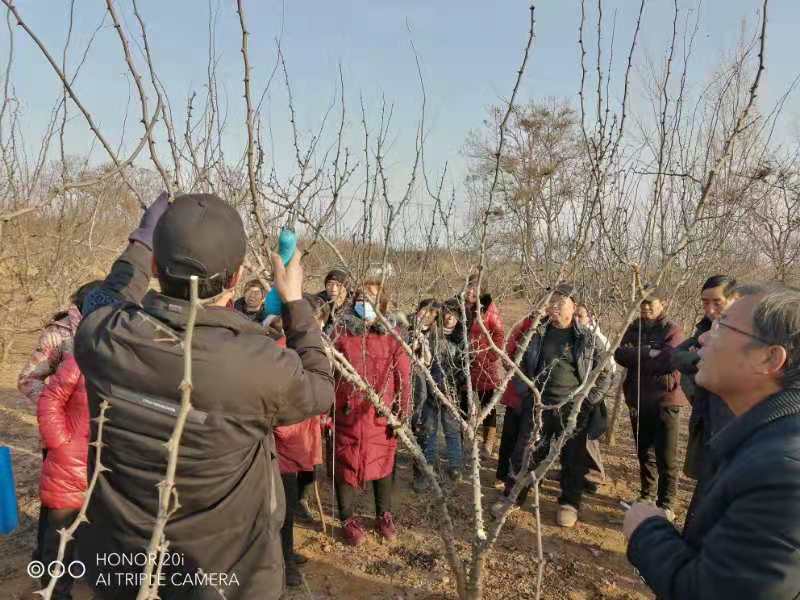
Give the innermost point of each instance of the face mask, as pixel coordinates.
(365, 310)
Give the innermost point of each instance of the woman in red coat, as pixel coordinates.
(485, 370)
(63, 413)
(365, 445)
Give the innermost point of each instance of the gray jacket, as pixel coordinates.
(227, 479)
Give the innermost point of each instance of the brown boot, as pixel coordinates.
(489, 439)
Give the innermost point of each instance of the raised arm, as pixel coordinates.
(303, 366)
(129, 277)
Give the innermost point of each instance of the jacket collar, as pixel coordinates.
(782, 404)
(354, 325)
(579, 330)
(175, 313)
(702, 326)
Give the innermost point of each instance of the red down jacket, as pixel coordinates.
(63, 413)
(364, 446)
(485, 369)
(299, 446)
(511, 397)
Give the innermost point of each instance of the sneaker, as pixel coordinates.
(454, 474)
(386, 526)
(567, 515)
(354, 533)
(302, 512)
(498, 507)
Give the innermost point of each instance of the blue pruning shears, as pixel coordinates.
(287, 246)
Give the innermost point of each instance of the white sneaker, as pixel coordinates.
(567, 515)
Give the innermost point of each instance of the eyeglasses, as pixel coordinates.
(718, 323)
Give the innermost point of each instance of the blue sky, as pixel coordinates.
(469, 51)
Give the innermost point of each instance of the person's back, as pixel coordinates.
(225, 532)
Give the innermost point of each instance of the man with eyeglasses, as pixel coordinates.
(744, 538)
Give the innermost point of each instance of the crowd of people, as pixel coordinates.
(269, 412)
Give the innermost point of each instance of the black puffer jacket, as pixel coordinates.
(744, 539)
(231, 499)
(587, 353)
(708, 409)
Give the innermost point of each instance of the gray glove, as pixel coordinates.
(144, 233)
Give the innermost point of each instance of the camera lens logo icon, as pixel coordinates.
(36, 569)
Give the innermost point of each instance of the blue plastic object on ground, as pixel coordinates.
(9, 517)
(287, 246)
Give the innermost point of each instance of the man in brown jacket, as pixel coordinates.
(654, 398)
(225, 536)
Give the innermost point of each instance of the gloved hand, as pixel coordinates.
(144, 233)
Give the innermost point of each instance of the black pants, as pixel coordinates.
(491, 418)
(346, 497)
(508, 440)
(41, 527)
(304, 480)
(657, 430)
(57, 518)
(574, 456)
(287, 531)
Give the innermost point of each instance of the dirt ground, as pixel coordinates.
(584, 563)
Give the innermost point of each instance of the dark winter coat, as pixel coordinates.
(447, 369)
(660, 382)
(709, 412)
(486, 372)
(257, 316)
(447, 366)
(244, 384)
(63, 413)
(706, 407)
(365, 445)
(587, 354)
(744, 539)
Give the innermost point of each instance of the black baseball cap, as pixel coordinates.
(564, 289)
(339, 275)
(199, 234)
